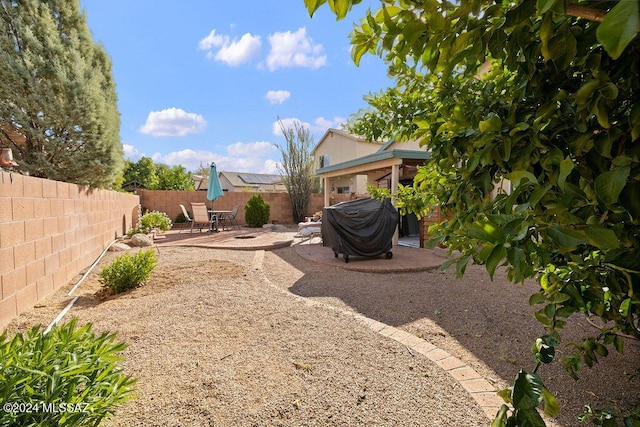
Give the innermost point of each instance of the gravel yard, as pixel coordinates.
(253, 338)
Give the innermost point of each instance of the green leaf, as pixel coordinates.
(566, 166)
(517, 176)
(566, 237)
(608, 185)
(619, 27)
(497, 255)
(527, 390)
(544, 5)
(551, 405)
(493, 123)
(537, 298)
(340, 7)
(624, 307)
(602, 237)
(500, 419)
(529, 418)
(505, 394)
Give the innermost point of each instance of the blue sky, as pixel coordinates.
(203, 80)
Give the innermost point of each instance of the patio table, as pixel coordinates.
(215, 215)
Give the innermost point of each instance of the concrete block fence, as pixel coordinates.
(50, 232)
(280, 204)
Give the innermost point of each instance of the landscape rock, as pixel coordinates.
(141, 240)
(119, 247)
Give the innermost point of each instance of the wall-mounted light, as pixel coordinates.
(6, 158)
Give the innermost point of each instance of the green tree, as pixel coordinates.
(297, 167)
(143, 171)
(59, 111)
(173, 178)
(544, 97)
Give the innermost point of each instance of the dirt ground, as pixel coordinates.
(222, 337)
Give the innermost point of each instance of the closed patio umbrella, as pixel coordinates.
(215, 189)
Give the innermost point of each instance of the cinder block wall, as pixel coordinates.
(280, 205)
(51, 231)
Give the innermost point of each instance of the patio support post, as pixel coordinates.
(325, 185)
(395, 180)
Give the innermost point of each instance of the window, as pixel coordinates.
(324, 160)
(343, 190)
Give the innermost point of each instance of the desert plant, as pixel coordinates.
(68, 376)
(256, 212)
(128, 271)
(156, 219)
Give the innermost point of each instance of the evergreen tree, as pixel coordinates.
(59, 111)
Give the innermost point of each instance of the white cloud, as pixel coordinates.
(288, 124)
(277, 96)
(173, 122)
(320, 124)
(254, 157)
(130, 152)
(294, 50)
(261, 148)
(231, 52)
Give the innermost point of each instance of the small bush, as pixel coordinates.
(256, 212)
(68, 377)
(155, 219)
(180, 219)
(128, 271)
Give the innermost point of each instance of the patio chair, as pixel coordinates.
(187, 217)
(230, 218)
(201, 216)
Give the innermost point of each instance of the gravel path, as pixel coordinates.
(243, 338)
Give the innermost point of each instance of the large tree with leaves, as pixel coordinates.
(59, 107)
(297, 167)
(544, 94)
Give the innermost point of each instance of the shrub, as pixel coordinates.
(68, 376)
(256, 212)
(159, 220)
(128, 271)
(180, 218)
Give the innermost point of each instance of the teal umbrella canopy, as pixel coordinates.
(214, 190)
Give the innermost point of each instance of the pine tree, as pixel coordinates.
(59, 111)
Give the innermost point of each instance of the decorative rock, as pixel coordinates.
(141, 240)
(119, 247)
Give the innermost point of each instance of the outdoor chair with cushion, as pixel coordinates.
(186, 217)
(201, 216)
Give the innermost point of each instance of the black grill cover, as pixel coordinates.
(362, 227)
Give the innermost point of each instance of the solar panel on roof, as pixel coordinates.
(256, 178)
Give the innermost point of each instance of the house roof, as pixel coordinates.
(247, 179)
(376, 157)
(200, 183)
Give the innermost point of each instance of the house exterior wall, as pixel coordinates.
(341, 148)
(49, 232)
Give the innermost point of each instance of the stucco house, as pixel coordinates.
(336, 147)
(358, 162)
